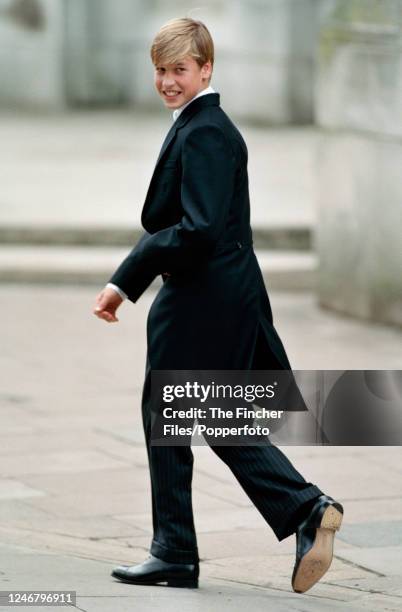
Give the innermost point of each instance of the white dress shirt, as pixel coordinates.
(203, 92)
(176, 113)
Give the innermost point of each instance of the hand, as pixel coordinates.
(106, 304)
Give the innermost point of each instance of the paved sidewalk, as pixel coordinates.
(74, 488)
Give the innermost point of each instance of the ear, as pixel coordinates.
(206, 70)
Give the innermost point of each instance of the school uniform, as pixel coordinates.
(211, 313)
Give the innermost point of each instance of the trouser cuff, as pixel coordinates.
(291, 524)
(173, 555)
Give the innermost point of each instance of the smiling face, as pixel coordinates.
(178, 83)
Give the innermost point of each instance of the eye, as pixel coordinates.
(181, 69)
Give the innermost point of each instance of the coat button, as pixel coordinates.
(239, 244)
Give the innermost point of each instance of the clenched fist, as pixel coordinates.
(106, 304)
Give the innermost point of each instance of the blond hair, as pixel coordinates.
(180, 37)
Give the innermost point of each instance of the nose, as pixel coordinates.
(168, 83)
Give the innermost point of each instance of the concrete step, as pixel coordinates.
(295, 237)
(282, 270)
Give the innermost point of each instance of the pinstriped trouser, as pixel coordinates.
(274, 486)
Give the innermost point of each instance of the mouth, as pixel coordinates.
(171, 93)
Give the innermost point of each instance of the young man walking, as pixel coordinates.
(212, 313)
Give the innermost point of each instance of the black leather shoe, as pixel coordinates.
(315, 543)
(156, 571)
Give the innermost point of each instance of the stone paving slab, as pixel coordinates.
(237, 519)
(375, 534)
(385, 560)
(66, 506)
(63, 461)
(360, 476)
(92, 527)
(88, 483)
(363, 511)
(12, 489)
(113, 552)
(58, 441)
(274, 572)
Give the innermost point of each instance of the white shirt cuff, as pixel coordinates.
(118, 290)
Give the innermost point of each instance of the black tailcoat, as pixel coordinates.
(213, 311)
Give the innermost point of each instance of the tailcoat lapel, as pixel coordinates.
(194, 107)
(190, 110)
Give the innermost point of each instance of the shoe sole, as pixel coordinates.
(318, 559)
(171, 582)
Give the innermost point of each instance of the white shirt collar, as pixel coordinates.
(203, 92)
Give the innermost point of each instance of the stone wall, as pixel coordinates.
(359, 110)
(31, 53)
(97, 52)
